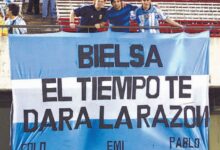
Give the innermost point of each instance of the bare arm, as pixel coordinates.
(99, 25)
(72, 16)
(174, 23)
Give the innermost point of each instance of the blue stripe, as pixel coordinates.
(56, 55)
(96, 139)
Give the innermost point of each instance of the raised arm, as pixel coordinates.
(167, 19)
(72, 16)
(172, 22)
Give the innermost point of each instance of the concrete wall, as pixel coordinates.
(4, 128)
(214, 132)
(214, 60)
(5, 82)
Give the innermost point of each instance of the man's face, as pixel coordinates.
(8, 13)
(117, 4)
(100, 3)
(146, 3)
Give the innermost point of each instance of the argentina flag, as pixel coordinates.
(110, 91)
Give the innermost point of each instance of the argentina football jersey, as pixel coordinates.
(120, 17)
(149, 17)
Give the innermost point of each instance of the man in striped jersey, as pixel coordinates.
(149, 15)
(14, 19)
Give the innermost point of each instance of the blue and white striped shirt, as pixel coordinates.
(17, 21)
(150, 17)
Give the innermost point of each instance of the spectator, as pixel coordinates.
(149, 15)
(119, 15)
(52, 8)
(3, 31)
(32, 3)
(14, 19)
(91, 15)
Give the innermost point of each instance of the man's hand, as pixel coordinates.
(98, 26)
(123, 4)
(72, 25)
(182, 26)
(157, 5)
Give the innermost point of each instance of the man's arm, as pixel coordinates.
(103, 22)
(172, 22)
(167, 19)
(22, 30)
(100, 25)
(72, 17)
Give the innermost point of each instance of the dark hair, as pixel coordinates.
(113, 1)
(14, 8)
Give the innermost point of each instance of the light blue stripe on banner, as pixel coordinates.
(158, 138)
(56, 55)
